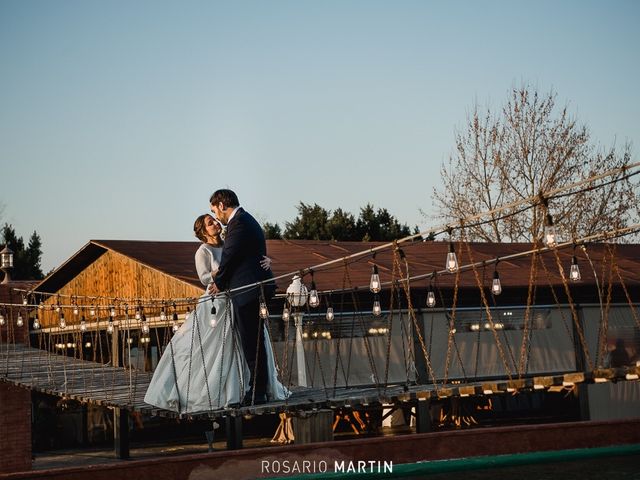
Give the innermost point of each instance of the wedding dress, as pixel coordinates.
(203, 367)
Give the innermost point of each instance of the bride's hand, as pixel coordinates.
(265, 262)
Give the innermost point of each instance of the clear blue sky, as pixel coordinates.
(118, 119)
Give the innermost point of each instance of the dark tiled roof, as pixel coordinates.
(176, 259)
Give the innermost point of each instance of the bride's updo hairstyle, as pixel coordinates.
(199, 229)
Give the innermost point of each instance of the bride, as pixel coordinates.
(203, 367)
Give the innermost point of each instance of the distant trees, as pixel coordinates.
(26, 261)
(316, 223)
(529, 147)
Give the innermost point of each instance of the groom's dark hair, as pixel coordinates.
(227, 197)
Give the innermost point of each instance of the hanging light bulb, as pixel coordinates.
(138, 313)
(314, 298)
(36, 323)
(574, 273)
(374, 284)
(496, 287)
(112, 312)
(83, 324)
(19, 320)
(285, 314)
(452, 259)
(76, 311)
(174, 322)
(431, 298)
(62, 323)
(145, 327)
(41, 305)
(1, 319)
(110, 327)
(549, 232)
(57, 308)
(330, 315)
(92, 311)
(163, 315)
(24, 300)
(264, 311)
(376, 307)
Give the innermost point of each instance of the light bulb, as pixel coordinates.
(76, 311)
(574, 273)
(452, 260)
(24, 300)
(264, 311)
(330, 315)
(92, 311)
(376, 308)
(138, 314)
(36, 323)
(374, 284)
(549, 232)
(431, 299)
(19, 321)
(83, 325)
(110, 327)
(145, 328)
(1, 319)
(496, 287)
(62, 323)
(112, 312)
(163, 315)
(314, 299)
(285, 314)
(57, 308)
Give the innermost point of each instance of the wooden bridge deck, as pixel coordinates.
(124, 388)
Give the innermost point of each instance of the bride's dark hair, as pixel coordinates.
(199, 229)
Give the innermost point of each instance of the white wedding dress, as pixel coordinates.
(203, 368)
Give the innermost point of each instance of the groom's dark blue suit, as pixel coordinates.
(243, 249)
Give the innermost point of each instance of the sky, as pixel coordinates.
(118, 119)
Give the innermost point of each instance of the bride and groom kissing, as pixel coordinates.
(222, 356)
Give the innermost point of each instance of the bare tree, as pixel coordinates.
(529, 148)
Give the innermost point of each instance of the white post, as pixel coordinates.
(300, 360)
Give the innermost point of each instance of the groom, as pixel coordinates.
(244, 247)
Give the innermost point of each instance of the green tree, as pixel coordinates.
(379, 225)
(272, 231)
(342, 226)
(310, 224)
(26, 261)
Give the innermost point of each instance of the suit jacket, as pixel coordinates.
(244, 247)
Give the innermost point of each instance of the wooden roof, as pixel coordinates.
(176, 259)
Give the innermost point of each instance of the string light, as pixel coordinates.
(2, 319)
(286, 313)
(314, 299)
(110, 327)
(574, 272)
(330, 315)
(374, 284)
(83, 324)
(36, 323)
(92, 311)
(174, 322)
(163, 315)
(264, 311)
(24, 300)
(138, 313)
(452, 259)
(496, 287)
(145, 327)
(112, 312)
(376, 307)
(62, 323)
(549, 232)
(431, 296)
(19, 320)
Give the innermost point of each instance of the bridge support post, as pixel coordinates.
(423, 416)
(311, 427)
(121, 433)
(233, 428)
